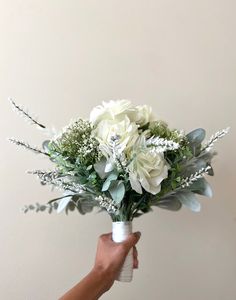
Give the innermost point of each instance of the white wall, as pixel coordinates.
(59, 59)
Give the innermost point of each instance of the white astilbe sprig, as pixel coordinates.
(117, 154)
(161, 145)
(107, 203)
(186, 182)
(27, 146)
(57, 179)
(24, 113)
(215, 137)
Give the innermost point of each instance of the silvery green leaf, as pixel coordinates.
(56, 199)
(42, 207)
(196, 136)
(70, 207)
(112, 176)
(109, 166)
(207, 155)
(189, 200)
(170, 203)
(210, 171)
(99, 167)
(45, 145)
(136, 215)
(192, 166)
(202, 187)
(85, 206)
(117, 191)
(62, 204)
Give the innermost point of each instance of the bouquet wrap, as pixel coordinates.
(120, 231)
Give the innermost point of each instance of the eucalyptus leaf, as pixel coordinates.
(70, 206)
(42, 207)
(117, 191)
(85, 206)
(112, 176)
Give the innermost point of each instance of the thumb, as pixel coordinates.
(132, 240)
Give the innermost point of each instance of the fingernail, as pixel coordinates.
(138, 234)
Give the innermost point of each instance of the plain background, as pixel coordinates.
(61, 58)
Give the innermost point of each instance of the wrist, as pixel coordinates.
(104, 278)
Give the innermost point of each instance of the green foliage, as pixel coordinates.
(90, 179)
(195, 138)
(76, 143)
(41, 207)
(161, 129)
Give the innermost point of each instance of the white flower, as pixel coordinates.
(119, 109)
(147, 168)
(141, 115)
(106, 130)
(112, 110)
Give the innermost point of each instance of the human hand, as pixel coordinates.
(109, 260)
(111, 256)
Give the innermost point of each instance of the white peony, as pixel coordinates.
(112, 110)
(147, 168)
(125, 131)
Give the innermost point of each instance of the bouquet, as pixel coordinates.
(124, 161)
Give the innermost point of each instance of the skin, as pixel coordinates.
(109, 259)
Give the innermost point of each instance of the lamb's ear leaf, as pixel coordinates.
(196, 136)
(170, 203)
(100, 168)
(195, 139)
(45, 145)
(193, 166)
(189, 200)
(201, 187)
(62, 204)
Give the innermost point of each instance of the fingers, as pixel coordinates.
(132, 240)
(135, 258)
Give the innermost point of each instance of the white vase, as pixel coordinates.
(120, 231)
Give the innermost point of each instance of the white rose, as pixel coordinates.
(125, 131)
(141, 115)
(147, 168)
(112, 110)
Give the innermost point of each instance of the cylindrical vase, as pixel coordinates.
(120, 231)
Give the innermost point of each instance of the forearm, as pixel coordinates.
(91, 287)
